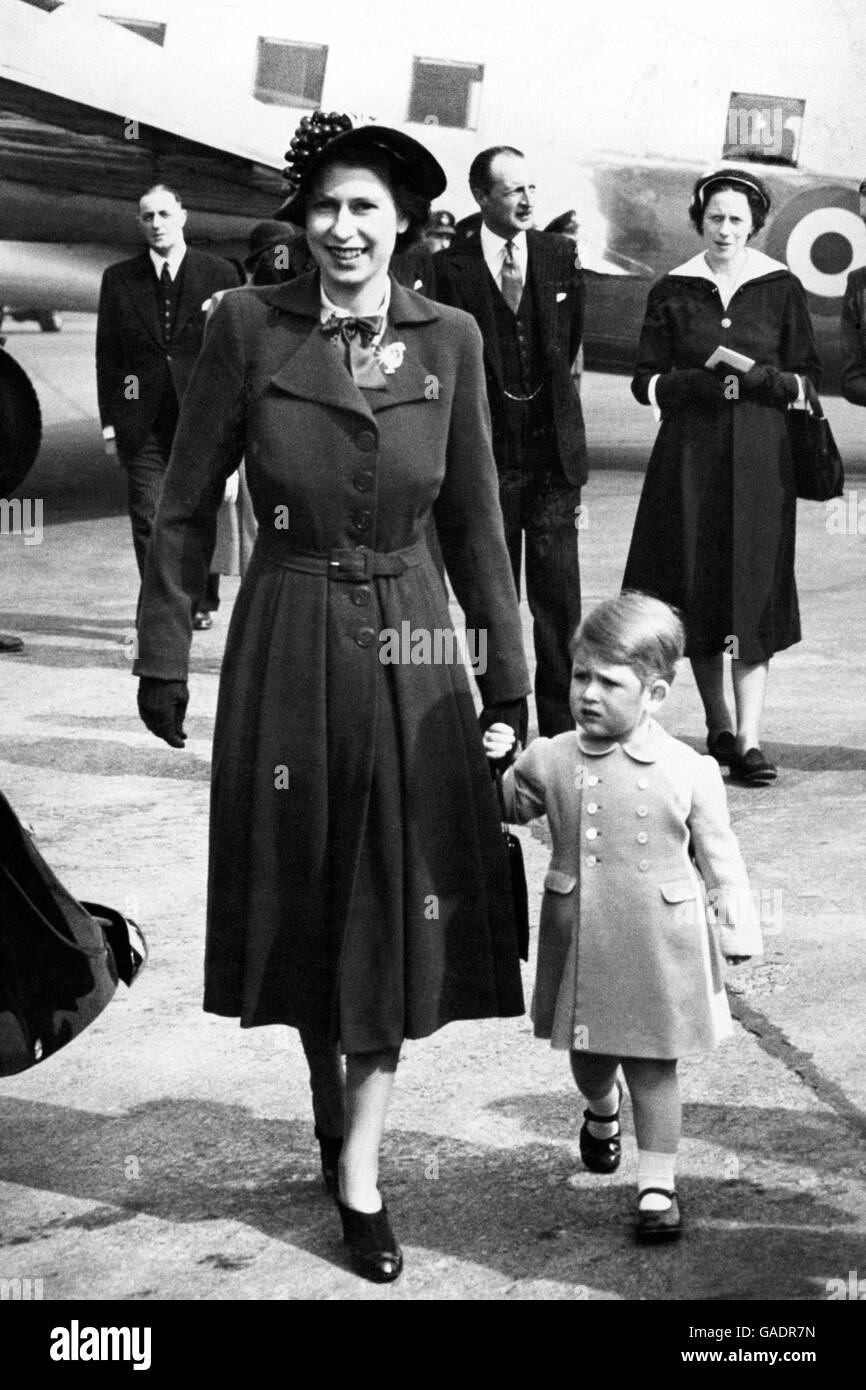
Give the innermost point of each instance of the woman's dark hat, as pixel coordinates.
(704, 186)
(265, 236)
(321, 139)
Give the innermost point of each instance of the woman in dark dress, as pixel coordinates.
(358, 889)
(715, 528)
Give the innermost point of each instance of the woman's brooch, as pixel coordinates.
(390, 358)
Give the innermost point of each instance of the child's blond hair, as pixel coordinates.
(633, 630)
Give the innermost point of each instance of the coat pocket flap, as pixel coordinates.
(559, 882)
(679, 892)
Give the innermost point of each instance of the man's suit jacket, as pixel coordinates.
(555, 281)
(134, 365)
(854, 338)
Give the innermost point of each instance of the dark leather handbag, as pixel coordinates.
(517, 872)
(60, 959)
(818, 471)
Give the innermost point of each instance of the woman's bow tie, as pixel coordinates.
(347, 327)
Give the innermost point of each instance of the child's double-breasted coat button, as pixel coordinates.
(592, 833)
(643, 865)
(642, 838)
(591, 807)
(642, 811)
(591, 860)
(643, 783)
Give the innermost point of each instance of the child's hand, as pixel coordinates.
(498, 741)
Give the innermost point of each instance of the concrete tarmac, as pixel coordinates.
(167, 1155)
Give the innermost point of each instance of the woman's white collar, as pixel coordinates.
(757, 265)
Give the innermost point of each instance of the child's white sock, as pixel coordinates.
(608, 1105)
(654, 1170)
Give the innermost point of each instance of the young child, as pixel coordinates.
(629, 958)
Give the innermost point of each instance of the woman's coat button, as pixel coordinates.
(363, 480)
(365, 637)
(366, 441)
(361, 597)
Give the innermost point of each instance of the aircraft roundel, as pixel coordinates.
(821, 237)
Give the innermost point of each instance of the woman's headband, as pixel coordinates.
(704, 187)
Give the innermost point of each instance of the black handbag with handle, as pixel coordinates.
(818, 471)
(517, 872)
(60, 959)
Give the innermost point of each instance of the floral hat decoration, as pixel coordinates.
(325, 136)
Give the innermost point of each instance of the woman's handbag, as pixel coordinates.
(60, 959)
(519, 893)
(818, 471)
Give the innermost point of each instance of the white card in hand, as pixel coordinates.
(738, 360)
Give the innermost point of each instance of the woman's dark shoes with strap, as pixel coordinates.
(373, 1248)
(753, 769)
(330, 1148)
(600, 1155)
(722, 747)
(653, 1227)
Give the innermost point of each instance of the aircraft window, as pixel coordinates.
(763, 129)
(446, 93)
(289, 73)
(145, 28)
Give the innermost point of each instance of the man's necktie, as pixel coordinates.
(356, 336)
(166, 287)
(512, 280)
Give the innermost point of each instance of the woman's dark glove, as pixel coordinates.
(162, 706)
(515, 713)
(769, 384)
(689, 387)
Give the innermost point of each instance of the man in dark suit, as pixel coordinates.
(854, 328)
(148, 335)
(525, 289)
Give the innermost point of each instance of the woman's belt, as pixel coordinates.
(349, 566)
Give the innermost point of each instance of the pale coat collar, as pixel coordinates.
(756, 267)
(643, 748)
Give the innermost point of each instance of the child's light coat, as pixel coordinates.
(628, 963)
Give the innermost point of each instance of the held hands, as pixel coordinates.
(162, 706)
(500, 744)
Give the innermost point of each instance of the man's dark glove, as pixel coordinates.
(515, 713)
(769, 384)
(689, 387)
(162, 706)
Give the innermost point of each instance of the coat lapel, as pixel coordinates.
(476, 290)
(544, 276)
(192, 293)
(315, 371)
(141, 286)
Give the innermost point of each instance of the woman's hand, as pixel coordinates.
(162, 706)
(769, 384)
(499, 741)
(691, 386)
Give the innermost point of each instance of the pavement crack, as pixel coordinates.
(772, 1040)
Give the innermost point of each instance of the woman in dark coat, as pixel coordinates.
(715, 528)
(358, 888)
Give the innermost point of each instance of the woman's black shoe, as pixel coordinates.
(653, 1227)
(722, 747)
(374, 1251)
(330, 1149)
(753, 769)
(600, 1155)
